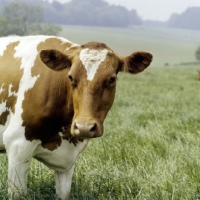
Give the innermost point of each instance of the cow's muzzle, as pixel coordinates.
(86, 130)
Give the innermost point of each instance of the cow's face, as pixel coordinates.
(92, 76)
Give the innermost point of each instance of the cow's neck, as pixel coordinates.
(53, 108)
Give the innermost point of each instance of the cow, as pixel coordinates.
(54, 97)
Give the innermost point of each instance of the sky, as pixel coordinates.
(153, 9)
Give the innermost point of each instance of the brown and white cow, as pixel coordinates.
(54, 97)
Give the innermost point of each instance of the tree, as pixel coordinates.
(197, 54)
(20, 16)
(80, 12)
(3, 26)
(189, 19)
(134, 18)
(22, 19)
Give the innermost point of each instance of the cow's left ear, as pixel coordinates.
(55, 59)
(136, 62)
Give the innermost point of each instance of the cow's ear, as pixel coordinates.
(136, 62)
(55, 59)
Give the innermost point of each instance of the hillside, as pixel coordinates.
(169, 46)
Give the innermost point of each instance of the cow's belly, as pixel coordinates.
(62, 158)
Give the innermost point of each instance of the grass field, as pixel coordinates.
(151, 146)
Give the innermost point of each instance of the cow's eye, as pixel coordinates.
(112, 80)
(72, 81)
(70, 78)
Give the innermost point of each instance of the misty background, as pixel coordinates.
(172, 14)
(169, 29)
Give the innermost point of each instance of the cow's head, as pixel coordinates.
(93, 70)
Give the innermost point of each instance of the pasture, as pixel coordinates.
(151, 145)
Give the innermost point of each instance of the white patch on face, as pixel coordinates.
(91, 59)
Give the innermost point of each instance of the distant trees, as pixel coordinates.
(91, 13)
(22, 19)
(134, 19)
(189, 19)
(81, 12)
(3, 26)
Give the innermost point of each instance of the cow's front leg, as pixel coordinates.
(17, 177)
(20, 152)
(63, 183)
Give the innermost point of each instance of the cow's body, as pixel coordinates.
(50, 114)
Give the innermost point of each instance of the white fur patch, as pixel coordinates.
(10, 93)
(2, 107)
(91, 59)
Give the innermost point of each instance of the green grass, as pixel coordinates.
(151, 146)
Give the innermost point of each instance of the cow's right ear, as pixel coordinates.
(136, 62)
(55, 59)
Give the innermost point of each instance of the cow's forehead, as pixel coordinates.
(91, 60)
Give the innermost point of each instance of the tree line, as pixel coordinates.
(19, 18)
(76, 12)
(91, 13)
(189, 19)
(23, 17)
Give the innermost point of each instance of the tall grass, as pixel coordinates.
(150, 149)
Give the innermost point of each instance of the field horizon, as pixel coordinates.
(171, 47)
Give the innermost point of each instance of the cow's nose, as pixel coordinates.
(85, 130)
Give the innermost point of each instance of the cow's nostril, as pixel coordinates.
(93, 128)
(76, 129)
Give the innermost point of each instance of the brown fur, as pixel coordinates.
(45, 117)
(95, 45)
(3, 117)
